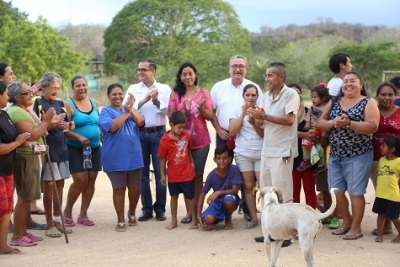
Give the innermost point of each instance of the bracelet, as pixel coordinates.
(348, 125)
(157, 102)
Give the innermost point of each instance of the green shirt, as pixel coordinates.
(17, 115)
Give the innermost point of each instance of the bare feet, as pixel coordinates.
(396, 240)
(228, 226)
(172, 226)
(378, 239)
(193, 226)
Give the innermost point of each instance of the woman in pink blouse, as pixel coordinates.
(389, 123)
(195, 103)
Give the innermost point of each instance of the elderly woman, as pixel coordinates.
(83, 111)
(351, 118)
(120, 126)
(195, 103)
(51, 84)
(389, 124)
(248, 145)
(26, 166)
(9, 141)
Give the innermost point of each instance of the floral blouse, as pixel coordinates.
(344, 141)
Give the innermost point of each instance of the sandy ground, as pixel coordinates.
(149, 244)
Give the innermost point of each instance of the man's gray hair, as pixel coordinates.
(238, 56)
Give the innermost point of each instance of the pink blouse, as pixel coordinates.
(195, 124)
(389, 125)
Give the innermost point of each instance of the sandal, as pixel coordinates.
(68, 222)
(250, 225)
(186, 220)
(36, 226)
(34, 238)
(120, 227)
(131, 220)
(53, 232)
(61, 230)
(23, 242)
(85, 221)
(340, 231)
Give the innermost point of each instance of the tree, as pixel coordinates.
(34, 48)
(87, 38)
(7, 9)
(206, 32)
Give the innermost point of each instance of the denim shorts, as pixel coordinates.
(351, 174)
(217, 208)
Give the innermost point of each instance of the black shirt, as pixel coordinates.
(8, 134)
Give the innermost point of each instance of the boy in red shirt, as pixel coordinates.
(175, 146)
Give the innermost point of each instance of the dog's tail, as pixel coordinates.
(332, 207)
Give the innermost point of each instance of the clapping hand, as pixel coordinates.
(200, 102)
(129, 103)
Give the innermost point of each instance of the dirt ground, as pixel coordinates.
(150, 244)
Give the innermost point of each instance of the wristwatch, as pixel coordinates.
(348, 125)
(264, 117)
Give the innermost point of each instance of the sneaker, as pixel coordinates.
(326, 221)
(304, 165)
(335, 224)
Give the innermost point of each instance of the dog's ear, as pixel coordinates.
(278, 195)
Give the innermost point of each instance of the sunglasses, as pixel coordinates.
(30, 92)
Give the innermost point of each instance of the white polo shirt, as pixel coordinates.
(280, 140)
(335, 85)
(226, 98)
(152, 115)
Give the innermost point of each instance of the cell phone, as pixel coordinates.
(40, 148)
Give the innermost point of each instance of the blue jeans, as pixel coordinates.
(150, 143)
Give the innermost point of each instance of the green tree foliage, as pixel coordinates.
(370, 59)
(206, 32)
(34, 48)
(6, 9)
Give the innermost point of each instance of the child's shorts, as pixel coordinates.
(186, 188)
(391, 208)
(217, 208)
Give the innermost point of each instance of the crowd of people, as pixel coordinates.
(341, 141)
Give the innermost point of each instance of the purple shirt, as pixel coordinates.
(233, 177)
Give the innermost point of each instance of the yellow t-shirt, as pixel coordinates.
(388, 179)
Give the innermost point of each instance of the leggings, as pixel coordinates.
(308, 185)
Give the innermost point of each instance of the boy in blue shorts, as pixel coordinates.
(175, 146)
(225, 180)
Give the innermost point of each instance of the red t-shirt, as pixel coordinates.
(389, 125)
(176, 152)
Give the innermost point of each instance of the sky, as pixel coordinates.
(253, 14)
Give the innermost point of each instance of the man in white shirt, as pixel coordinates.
(226, 97)
(339, 64)
(279, 113)
(152, 102)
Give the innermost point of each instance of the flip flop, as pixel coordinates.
(12, 251)
(34, 238)
(131, 220)
(68, 222)
(250, 225)
(53, 232)
(85, 221)
(23, 242)
(350, 236)
(61, 230)
(186, 220)
(120, 227)
(38, 212)
(36, 226)
(340, 231)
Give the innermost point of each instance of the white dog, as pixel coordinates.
(280, 221)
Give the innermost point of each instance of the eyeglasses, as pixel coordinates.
(241, 67)
(142, 70)
(30, 92)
